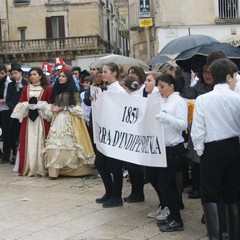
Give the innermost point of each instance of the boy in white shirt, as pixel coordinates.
(215, 134)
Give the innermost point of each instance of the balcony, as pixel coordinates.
(39, 50)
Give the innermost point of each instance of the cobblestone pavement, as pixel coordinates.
(40, 208)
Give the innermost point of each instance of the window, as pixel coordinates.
(20, 2)
(55, 27)
(228, 9)
(22, 31)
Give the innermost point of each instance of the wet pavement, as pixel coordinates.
(40, 208)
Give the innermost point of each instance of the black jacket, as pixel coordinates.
(13, 96)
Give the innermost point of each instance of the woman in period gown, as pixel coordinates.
(33, 111)
(68, 148)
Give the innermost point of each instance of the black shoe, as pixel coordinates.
(4, 160)
(194, 195)
(172, 226)
(12, 161)
(113, 202)
(134, 198)
(163, 222)
(181, 206)
(103, 199)
(203, 219)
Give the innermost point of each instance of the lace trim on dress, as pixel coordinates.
(44, 110)
(20, 111)
(76, 156)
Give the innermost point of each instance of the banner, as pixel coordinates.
(125, 128)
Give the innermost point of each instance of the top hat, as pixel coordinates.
(16, 66)
(59, 61)
(46, 67)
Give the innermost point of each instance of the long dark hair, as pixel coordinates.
(169, 79)
(43, 79)
(69, 87)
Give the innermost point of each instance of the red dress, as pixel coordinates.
(33, 133)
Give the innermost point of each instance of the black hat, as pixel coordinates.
(16, 66)
(84, 74)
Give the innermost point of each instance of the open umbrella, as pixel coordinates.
(186, 42)
(192, 59)
(159, 59)
(126, 62)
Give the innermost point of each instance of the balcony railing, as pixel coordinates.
(50, 45)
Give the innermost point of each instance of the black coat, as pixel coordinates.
(13, 96)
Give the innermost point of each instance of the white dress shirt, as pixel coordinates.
(4, 106)
(237, 88)
(174, 118)
(216, 117)
(115, 87)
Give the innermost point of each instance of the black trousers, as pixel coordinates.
(14, 131)
(110, 170)
(220, 171)
(196, 176)
(136, 175)
(167, 180)
(6, 134)
(152, 174)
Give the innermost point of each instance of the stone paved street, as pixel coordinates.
(40, 208)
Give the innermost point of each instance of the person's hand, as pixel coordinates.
(2, 101)
(56, 108)
(162, 117)
(193, 74)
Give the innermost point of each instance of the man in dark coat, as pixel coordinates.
(13, 94)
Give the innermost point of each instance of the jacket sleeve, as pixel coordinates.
(86, 98)
(198, 131)
(9, 97)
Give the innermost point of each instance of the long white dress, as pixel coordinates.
(68, 148)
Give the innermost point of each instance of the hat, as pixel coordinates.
(84, 74)
(46, 67)
(65, 67)
(58, 60)
(16, 66)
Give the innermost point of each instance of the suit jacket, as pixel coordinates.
(13, 96)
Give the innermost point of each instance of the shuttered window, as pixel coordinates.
(55, 27)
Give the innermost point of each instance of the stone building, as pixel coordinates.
(33, 31)
(175, 18)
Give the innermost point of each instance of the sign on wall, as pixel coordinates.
(144, 9)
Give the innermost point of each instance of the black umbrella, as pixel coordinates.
(186, 42)
(193, 58)
(159, 59)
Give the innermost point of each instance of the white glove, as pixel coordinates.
(162, 117)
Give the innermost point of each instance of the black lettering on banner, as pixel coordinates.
(130, 115)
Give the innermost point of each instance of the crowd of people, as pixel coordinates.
(47, 130)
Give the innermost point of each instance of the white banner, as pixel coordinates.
(125, 128)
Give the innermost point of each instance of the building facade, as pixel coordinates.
(36, 31)
(175, 18)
